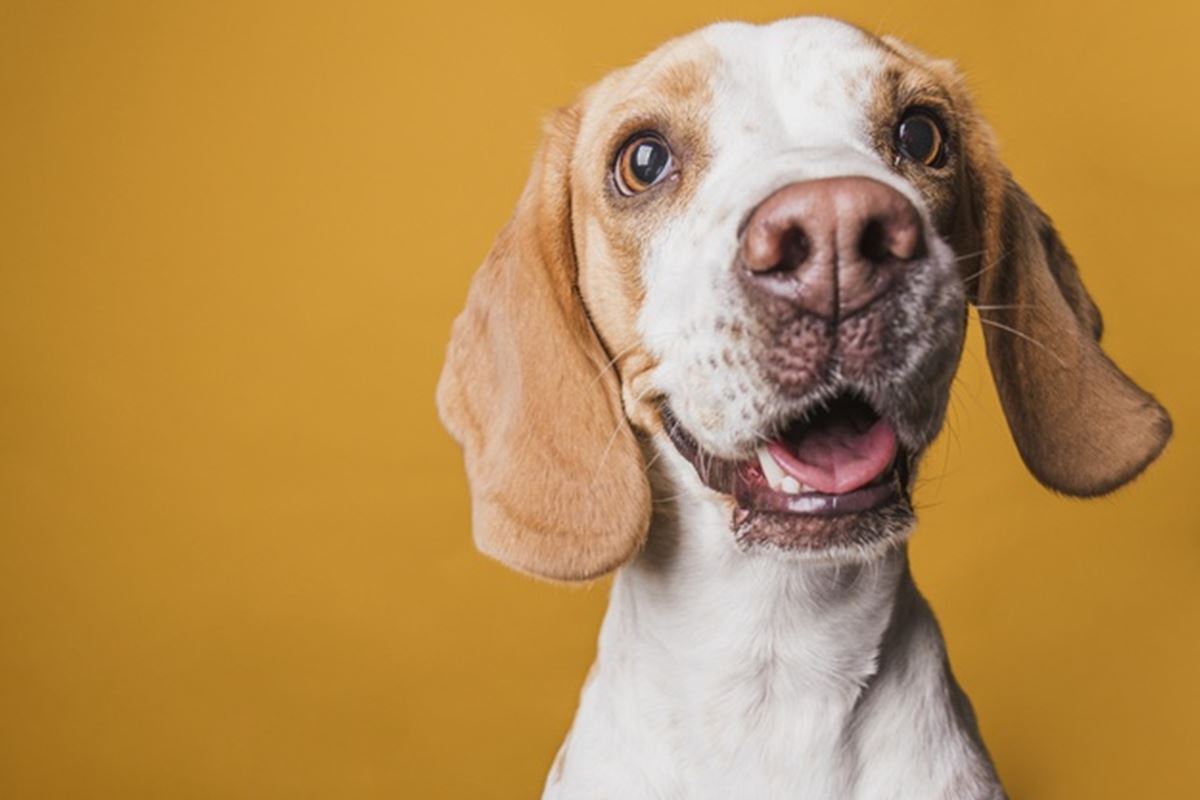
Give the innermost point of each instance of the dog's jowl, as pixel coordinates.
(708, 352)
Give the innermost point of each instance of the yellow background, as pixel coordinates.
(234, 555)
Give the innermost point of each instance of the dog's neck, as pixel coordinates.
(723, 673)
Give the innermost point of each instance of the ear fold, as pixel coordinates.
(558, 485)
(1081, 425)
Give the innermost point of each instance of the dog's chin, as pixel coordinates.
(834, 485)
(849, 538)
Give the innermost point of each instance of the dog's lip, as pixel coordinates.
(745, 482)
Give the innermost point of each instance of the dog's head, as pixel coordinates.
(754, 251)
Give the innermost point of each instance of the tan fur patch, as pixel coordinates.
(670, 94)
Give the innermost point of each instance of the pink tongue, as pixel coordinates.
(837, 459)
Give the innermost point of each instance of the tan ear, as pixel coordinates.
(558, 484)
(1082, 426)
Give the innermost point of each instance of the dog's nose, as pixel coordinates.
(831, 246)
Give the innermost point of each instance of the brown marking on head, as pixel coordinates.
(668, 93)
(1082, 426)
(545, 371)
(905, 84)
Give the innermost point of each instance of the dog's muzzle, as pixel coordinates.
(831, 270)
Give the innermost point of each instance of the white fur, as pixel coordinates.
(728, 674)
(725, 673)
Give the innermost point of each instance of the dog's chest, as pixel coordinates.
(766, 705)
(755, 733)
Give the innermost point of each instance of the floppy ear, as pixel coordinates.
(1081, 425)
(558, 484)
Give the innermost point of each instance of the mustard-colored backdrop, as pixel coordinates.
(234, 551)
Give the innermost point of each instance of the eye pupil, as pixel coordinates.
(649, 160)
(919, 139)
(643, 161)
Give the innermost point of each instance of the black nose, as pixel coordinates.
(829, 247)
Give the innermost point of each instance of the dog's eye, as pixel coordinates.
(919, 138)
(643, 161)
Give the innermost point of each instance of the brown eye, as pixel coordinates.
(919, 138)
(643, 161)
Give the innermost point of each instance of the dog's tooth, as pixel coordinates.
(790, 485)
(771, 470)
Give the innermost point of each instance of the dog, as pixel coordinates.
(708, 352)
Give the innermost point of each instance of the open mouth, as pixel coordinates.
(840, 459)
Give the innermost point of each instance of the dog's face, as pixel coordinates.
(755, 249)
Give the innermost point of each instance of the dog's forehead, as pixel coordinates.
(794, 76)
(809, 79)
(798, 78)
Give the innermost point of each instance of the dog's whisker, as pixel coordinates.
(604, 369)
(999, 259)
(1025, 336)
(621, 425)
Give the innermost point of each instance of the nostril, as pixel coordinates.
(794, 250)
(873, 244)
(773, 252)
(884, 240)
